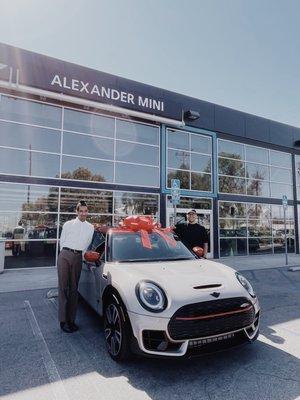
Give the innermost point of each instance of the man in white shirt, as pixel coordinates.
(75, 238)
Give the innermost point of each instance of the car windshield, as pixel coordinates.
(128, 247)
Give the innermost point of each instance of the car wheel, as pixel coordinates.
(117, 330)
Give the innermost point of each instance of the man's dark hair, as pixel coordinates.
(81, 203)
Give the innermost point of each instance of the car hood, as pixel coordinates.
(184, 282)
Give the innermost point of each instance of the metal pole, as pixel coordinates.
(285, 236)
(175, 211)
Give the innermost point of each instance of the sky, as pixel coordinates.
(243, 54)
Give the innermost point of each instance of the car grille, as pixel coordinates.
(211, 318)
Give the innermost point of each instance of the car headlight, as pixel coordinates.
(246, 284)
(151, 296)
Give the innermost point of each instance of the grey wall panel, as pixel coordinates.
(229, 121)
(257, 128)
(281, 134)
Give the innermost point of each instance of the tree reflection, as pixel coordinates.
(84, 174)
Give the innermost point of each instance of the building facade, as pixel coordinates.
(68, 132)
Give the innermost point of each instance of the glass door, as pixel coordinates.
(204, 219)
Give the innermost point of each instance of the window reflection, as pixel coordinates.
(232, 185)
(231, 149)
(30, 112)
(135, 203)
(19, 197)
(263, 228)
(233, 247)
(24, 254)
(179, 159)
(231, 167)
(201, 144)
(239, 160)
(29, 163)
(183, 176)
(258, 188)
(257, 154)
(137, 175)
(88, 146)
(135, 132)
(137, 153)
(89, 123)
(29, 137)
(201, 182)
(87, 170)
(98, 201)
(30, 225)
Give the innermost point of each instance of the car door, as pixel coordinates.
(90, 283)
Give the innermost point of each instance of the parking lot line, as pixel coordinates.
(53, 374)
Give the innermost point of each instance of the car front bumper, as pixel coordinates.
(153, 338)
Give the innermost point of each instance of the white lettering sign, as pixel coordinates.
(107, 93)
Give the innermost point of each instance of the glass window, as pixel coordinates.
(30, 112)
(127, 203)
(257, 154)
(281, 175)
(98, 201)
(280, 189)
(89, 123)
(200, 162)
(258, 210)
(137, 175)
(137, 132)
(183, 176)
(191, 202)
(29, 137)
(201, 144)
(232, 227)
(228, 209)
(28, 225)
(231, 149)
(21, 254)
(258, 188)
(88, 146)
(29, 163)
(178, 140)
(257, 171)
(87, 170)
(259, 227)
(233, 247)
(18, 197)
(231, 167)
(137, 153)
(280, 159)
(260, 245)
(201, 182)
(232, 185)
(277, 212)
(179, 159)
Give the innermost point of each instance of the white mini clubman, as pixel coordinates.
(158, 298)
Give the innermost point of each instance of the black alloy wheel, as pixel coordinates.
(117, 330)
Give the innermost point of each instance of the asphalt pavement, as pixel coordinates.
(38, 361)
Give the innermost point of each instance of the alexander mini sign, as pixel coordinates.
(46, 73)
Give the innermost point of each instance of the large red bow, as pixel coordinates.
(145, 225)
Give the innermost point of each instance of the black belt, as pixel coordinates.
(73, 251)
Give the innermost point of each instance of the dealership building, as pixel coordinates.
(68, 132)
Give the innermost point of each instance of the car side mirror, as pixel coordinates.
(198, 251)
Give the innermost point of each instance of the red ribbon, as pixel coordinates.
(145, 225)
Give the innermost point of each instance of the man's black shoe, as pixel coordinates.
(73, 326)
(65, 327)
